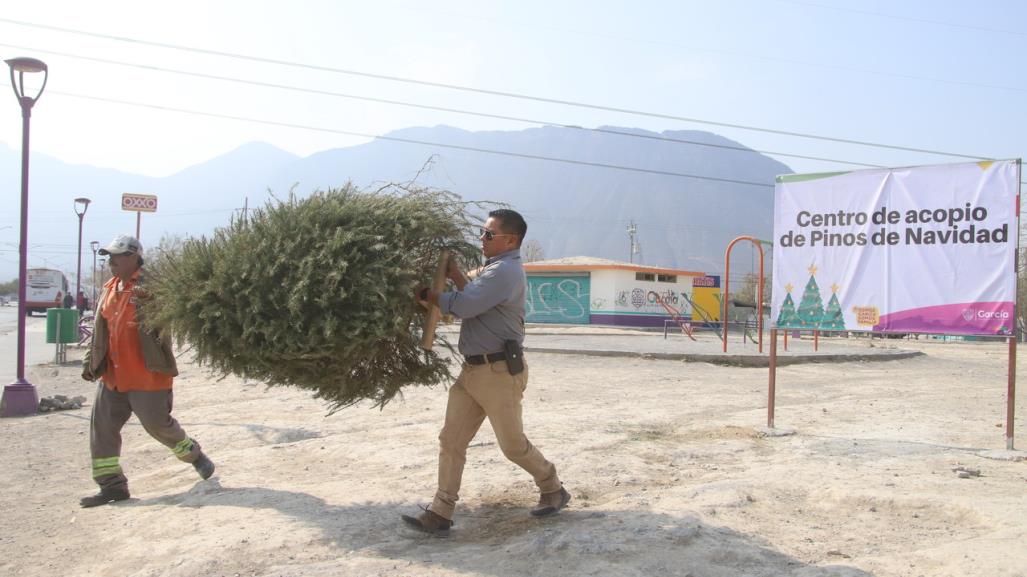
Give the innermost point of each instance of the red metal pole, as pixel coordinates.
(771, 392)
(759, 297)
(1011, 393)
(786, 339)
(726, 293)
(816, 341)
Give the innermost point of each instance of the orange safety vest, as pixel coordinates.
(126, 368)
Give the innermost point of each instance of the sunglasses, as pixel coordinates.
(489, 235)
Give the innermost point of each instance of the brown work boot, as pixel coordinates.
(106, 495)
(430, 522)
(551, 503)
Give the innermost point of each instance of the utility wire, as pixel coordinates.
(489, 92)
(414, 141)
(438, 108)
(906, 18)
(431, 107)
(731, 53)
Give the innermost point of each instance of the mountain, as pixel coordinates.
(572, 208)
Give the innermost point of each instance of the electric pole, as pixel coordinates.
(632, 229)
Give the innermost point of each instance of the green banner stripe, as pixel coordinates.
(786, 178)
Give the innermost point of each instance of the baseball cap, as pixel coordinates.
(122, 244)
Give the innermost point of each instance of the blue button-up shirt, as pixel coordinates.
(491, 307)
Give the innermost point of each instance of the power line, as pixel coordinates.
(444, 109)
(906, 18)
(489, 92)
(414, 141)
(732, 53)
(436, 108)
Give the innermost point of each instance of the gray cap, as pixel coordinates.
(122, 244)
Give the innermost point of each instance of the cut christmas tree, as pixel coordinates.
(315, 293)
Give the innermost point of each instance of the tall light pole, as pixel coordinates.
(84, 203)
(92, 296)
(20, 397)
(632, 230)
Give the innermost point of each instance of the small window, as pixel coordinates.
(667, 278)
(645, 276)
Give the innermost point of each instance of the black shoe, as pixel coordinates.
(204, 466)
(106, 495)
(430, 522)
(551, 503)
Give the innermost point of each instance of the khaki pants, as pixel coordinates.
(486, 391)
(111, 411)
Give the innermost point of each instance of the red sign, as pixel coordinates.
(139, 202)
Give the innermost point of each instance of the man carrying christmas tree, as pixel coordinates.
(494, 374)
(136, 368)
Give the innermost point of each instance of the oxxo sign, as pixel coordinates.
(139, 202)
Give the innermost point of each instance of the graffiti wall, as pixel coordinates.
(645, 298)
(557, 299)
(619, 298)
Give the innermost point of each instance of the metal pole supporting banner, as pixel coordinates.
(771, 388)
(1011, 393)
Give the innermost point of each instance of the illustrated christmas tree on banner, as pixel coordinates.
(811, 307)
(786, 318)
(833, 320)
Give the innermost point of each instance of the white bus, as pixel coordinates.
(45, 289)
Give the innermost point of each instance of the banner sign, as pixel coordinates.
(929, 249)
(139, 202)
(708, 281)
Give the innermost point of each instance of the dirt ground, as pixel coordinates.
(668, 472)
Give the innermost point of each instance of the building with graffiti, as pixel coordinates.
(587, 290)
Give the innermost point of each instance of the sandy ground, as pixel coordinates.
(668, 473)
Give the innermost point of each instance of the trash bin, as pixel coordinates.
(69, 325)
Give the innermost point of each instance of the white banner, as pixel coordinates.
(928, 249)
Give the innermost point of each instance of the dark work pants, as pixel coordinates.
(111, 411)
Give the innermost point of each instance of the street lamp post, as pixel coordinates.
(92, 296)
(20, 397)
(84, 203)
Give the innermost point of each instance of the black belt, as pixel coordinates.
(482, 359)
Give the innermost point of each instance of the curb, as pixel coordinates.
(753, 361)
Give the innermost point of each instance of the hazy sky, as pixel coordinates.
(927, 74)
